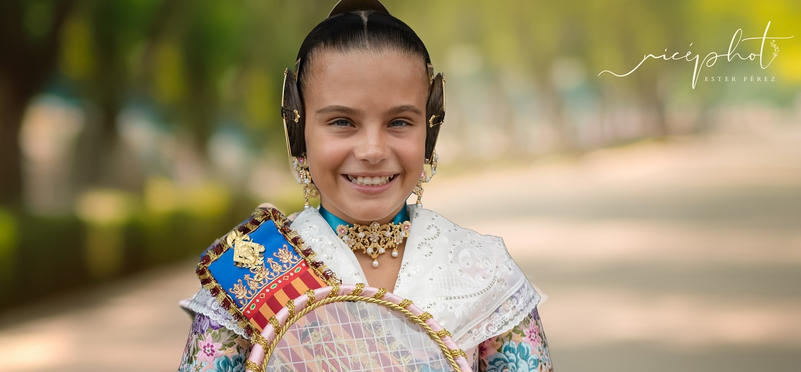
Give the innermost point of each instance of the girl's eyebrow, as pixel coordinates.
(338, 109)
(352, 111)
(404, 108)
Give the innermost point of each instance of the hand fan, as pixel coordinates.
(353, 328)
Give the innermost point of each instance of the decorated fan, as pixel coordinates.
(354, 328)
(299, 318)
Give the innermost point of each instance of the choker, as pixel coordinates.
(373, 239)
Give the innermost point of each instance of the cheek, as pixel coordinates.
(414, 155)
(324, 156)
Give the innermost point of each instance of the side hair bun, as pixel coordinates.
(435, 113)
(292, 114)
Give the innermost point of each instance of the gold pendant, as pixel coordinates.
(374, 239)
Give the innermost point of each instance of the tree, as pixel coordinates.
(105, 76)
(29, 36)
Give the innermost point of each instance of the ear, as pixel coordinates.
(292, 114)
(435, 113)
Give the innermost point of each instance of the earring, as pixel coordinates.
(418, 189)
(430, 166)
(429, 170)
(301, 165)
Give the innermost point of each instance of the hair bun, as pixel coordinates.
(344, 6)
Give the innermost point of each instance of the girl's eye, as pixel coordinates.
(340, 123)
(399, 123)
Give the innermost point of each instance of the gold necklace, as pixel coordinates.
(374, 239)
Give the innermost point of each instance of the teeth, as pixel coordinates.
(370, 181)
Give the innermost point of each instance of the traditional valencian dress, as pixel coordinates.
(466, 280)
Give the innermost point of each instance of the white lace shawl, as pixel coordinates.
(466, 280)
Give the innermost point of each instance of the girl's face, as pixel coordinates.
(365, 131)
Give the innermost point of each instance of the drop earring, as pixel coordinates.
(429, 170)
(301, 166)
(418, 189)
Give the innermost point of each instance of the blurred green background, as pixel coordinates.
(135, 132)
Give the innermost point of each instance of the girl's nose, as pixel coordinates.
(372, 145)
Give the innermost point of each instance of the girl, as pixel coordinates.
(362, 110)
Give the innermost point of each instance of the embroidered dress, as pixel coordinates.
(466, 280)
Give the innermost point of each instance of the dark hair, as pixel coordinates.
(355, 30)
(361, 30)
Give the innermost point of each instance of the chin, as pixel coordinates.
(374, 211)
(374, 214)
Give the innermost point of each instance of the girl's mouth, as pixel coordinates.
(370, 181)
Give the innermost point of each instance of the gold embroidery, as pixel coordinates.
(250, 366)
(443, 333)
(284, 255)
(405, 303)
(380, 294)
(274, 322)
(259, 339)
(290, 305)
(247, 253)
(334, 290)
(310, 295)
(358, 290)
(263, 275)
(424, 316)
(458, 353)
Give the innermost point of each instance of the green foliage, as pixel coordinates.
(37, 18)
(8, 249)
(54, 254)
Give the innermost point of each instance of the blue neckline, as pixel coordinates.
(334, 221)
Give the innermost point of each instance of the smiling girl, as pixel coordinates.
(363, 109)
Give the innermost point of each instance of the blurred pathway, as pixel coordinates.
(133, 325)
(678, 257)
(656, 257)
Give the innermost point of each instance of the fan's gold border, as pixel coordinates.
(435, 336)
(259, 216)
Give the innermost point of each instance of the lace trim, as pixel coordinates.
(205, 303)
(506, 316)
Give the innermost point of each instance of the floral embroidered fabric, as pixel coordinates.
(213, 347)
(523, 348)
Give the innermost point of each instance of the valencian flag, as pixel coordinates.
(258, 267)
